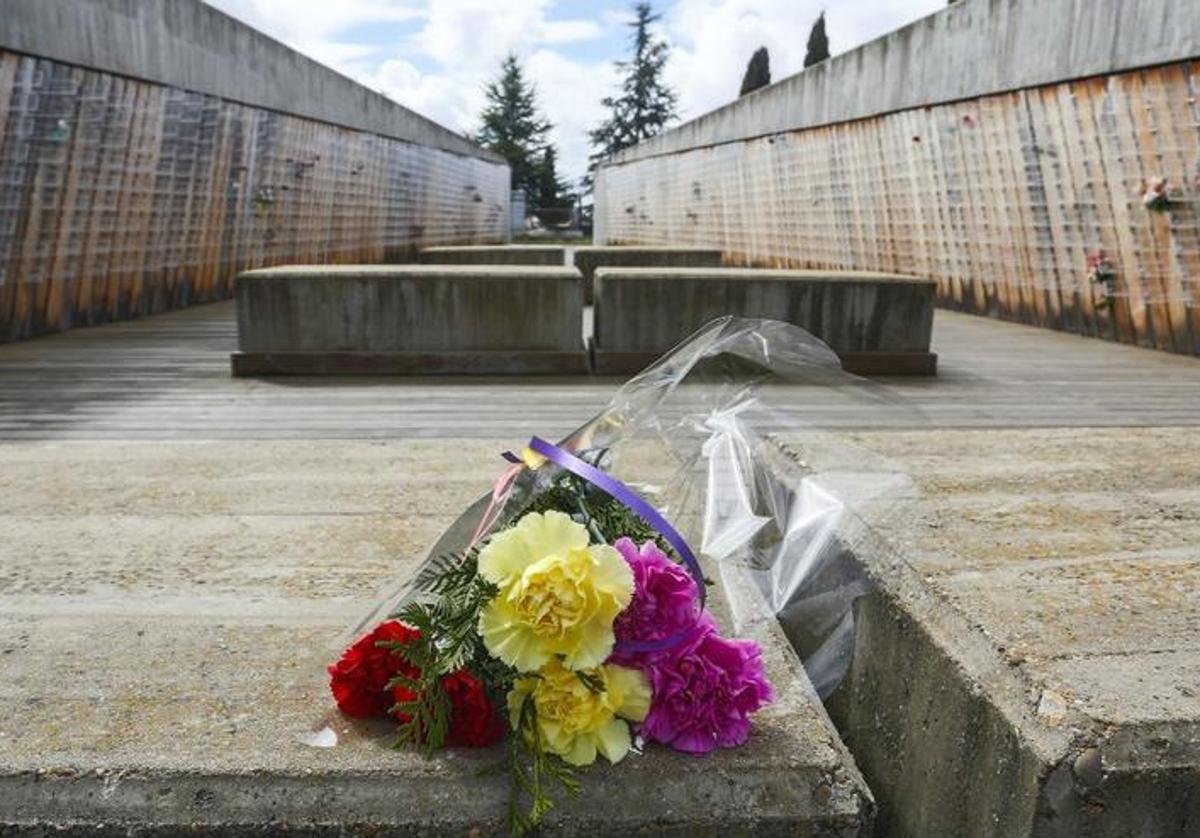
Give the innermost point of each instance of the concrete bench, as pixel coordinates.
(588, 259)
(878, 324)
(409, 319)
(512, 254)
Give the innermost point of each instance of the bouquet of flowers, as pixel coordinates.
(577, 630)
(564, 613)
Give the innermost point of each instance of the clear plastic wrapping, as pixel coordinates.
(758, 490)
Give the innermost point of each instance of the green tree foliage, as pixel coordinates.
(758, 72)
(511, 125)
(552, 198)
(645, 103)
(818, 43)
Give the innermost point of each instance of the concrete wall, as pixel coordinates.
(924, 153)
(972, 48)
(653, 309)
(190, 45)
(406, 308)
(180, 147)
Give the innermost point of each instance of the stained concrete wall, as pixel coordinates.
(927, 152)
(149, 151)
(190, 45)
(972, 48)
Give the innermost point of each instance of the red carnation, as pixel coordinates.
(359, 679)
(474, 721)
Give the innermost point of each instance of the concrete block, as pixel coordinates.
(879, 324)
(160, 686)
(406, 319)
(588, 259)
(1029, 663)
(512, 254)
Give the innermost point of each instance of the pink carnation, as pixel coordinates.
(705, 688)
(664, 600)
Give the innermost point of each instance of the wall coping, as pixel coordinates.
(970, 49)
(190, 45)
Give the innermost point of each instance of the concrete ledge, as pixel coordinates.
(879, 324)
(393, 318)
(204, 607)
(1028, 663)
(511, 254)
(588, 259)
(408, 363)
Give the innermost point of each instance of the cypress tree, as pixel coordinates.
(758, 72)
(818, 43)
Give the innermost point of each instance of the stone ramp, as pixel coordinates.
(1029, 665)
(161, 611)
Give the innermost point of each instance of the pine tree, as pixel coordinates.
(758, 72)
(646, 103)
(818, 43)
(511, 125)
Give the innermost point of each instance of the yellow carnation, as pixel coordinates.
(558, 594)
(576, 722)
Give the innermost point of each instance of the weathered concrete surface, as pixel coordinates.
(190, 45)
(512, 254)
(643, 312)
(589, 258)
(163, 613)
(1029, 665)
(409, 318)
(972, 48)
(167, 378)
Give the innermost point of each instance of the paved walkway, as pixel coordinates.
(167, 377)
(166, 575)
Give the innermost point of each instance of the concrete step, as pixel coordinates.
(1030, 663)
(164, 616)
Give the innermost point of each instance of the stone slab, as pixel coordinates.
(165, 612)
(880, 324)
(421, 309)
(589, 258)
(512, 254)
(1029, 664)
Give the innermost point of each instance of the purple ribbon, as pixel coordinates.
(630, 499)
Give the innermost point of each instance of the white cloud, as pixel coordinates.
(305, 23)
(441, 68)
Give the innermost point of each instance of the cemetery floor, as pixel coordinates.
(167, 377)
(179, 550)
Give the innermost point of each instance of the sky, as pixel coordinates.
(436, 56)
